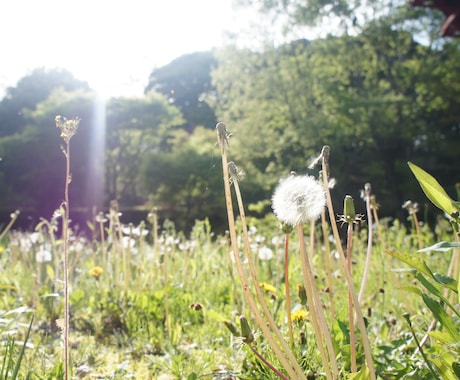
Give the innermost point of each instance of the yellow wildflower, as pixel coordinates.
(299, 315)
(96, 272)
(267, 287)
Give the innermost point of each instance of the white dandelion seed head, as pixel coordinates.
(265, 253)
(298, 199)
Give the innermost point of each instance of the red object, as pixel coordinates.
(450, 8)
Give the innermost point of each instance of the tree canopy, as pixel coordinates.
(185, 82)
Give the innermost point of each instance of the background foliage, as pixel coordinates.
(380, 88)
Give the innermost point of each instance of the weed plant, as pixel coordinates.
(148, 302)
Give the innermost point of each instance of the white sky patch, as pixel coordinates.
(113, 45)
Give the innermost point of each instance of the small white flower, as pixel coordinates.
(265, 253)
(298, 199)
(43, 256)
(128, 242)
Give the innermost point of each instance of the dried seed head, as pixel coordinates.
(222, 134)
(68, 127)
(235, 173)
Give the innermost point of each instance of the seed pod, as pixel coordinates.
(246, 332)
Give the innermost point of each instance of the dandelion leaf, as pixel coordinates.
(433, 190)
(441, 316)
(414, 262)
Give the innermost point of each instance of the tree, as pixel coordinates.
(33, 163)
(135, 127)
(185, 82)
(366, 96)
(29, 91)
(183, 181)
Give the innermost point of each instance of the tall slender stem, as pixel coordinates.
(335, 230)
(351, 317)
(287, 290)
(369, 243)
(291, 368)
(66, 238)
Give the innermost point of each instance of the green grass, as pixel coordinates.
(168, 320)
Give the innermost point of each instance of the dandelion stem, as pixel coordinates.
(267, 363)
(335, 230)
(255, 280)
(367, 195)
(350, 302)
(287, 288)
(316, 310)
(328, 264)
(289, 367)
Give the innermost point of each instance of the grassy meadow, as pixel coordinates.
(148, 302)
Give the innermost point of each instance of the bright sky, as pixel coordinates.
(113, 45)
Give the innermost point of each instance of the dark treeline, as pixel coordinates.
(377, 96)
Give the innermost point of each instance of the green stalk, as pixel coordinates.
(335, 230)
(351, 317)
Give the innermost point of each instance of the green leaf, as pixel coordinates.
(456, 368)
(414, 262)
(441, 316)
(433, 190)
(442, 246)
(446, 281)
(444, 365)
(442, 337)
(435, 291)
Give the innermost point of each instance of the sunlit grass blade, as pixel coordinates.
(22, 352)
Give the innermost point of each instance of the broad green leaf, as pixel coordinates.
(433, 190)
(414, 262)
(442, 246)
(441, 316)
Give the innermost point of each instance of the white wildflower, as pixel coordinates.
(43, 255)
(298, 199)
(265, 253)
